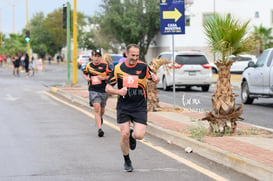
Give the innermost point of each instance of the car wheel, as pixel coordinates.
(245, 94)
(205, 88)
(165, 86)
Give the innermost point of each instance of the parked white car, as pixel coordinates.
(191, 69)
(82, 60)
(242, 62)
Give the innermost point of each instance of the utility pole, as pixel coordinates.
(13, 15)
(13, 18)
(75, 46)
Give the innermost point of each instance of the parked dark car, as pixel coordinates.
(115, 58)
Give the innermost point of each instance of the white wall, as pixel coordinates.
(194, 37)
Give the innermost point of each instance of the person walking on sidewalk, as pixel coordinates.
(96, 74)
(26, 59)
(130, 77)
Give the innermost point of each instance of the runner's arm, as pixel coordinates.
(111, 90)
(86, 77)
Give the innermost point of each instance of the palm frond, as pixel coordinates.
(227, 36)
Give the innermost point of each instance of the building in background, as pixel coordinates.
(197, 11)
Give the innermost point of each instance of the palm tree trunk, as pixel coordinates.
(153, 100)
(223, 102)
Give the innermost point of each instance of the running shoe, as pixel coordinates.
(100, 133)
(128, 166)
(132, 141)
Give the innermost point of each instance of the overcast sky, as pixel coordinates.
(88, 7)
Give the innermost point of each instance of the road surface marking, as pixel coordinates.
(157, 148)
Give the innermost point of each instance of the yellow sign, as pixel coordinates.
(175, 14)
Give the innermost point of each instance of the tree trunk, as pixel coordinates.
(153, 100)
(223, 102)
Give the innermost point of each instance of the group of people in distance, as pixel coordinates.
(130, 76)
(21, 60)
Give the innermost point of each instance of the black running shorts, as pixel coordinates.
(134, 116)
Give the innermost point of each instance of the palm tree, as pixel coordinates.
(263, 36)
(226, 36)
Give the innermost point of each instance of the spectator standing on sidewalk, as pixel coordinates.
(123, 59)
(16, 65)
(42, 56)
(26, 59)
(96, 74)
(130, 77)
(49, 59)
(58, 58)
(107, 58)
(32, 66)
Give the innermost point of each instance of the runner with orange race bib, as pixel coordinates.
(96, 74)
(130, 77)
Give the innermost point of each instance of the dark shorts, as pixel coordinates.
(98, 97)
(134, 116)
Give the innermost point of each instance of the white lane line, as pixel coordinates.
(157, 148)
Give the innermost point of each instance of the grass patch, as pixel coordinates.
(198, 132)
(252, 131)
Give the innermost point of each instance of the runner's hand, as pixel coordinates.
(122, 91)
(154, 77)
(102, 77)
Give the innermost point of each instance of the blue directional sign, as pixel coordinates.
(172, 18)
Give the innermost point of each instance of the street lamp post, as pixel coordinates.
(13, 18)
(13, 15)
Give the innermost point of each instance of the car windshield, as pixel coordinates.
(191, 59)
(241, 59)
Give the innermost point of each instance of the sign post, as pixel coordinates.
(172, 21)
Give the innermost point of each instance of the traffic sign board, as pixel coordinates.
(172, 19)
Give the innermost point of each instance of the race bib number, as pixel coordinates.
(130, 81)
(95, 80)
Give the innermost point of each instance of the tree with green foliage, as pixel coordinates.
(130, 21)
(38, 34)
(14, 44)
(226, 36)
(56, 35)
(47, 33)
(264, 37)
(94, 38)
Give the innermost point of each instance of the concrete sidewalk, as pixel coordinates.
(249, 151)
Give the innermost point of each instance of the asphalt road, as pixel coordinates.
(43, 139)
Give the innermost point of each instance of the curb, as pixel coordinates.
(223, 157)
(226, 158)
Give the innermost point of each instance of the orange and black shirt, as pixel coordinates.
(134, 78)
(93, 71)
